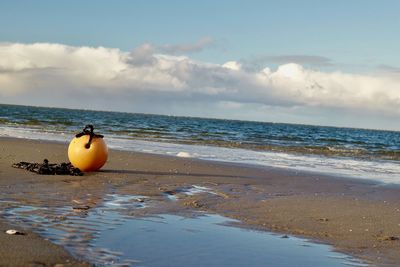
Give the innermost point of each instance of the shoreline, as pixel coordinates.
(228, 164)
(356, 216)
(387, 171)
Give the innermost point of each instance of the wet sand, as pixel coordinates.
(31, 250)
(358, 217)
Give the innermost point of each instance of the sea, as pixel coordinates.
(345, 152)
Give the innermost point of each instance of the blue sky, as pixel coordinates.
(350, 33)
(358, 38)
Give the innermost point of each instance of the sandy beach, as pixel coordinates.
(360, 218)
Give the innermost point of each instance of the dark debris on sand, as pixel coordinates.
(46, 168)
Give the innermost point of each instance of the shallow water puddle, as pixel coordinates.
(189, 191)
(106, 236)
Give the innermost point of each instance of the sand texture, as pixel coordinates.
(361, 218)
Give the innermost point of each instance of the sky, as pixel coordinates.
(310, 62)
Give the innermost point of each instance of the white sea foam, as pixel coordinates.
(183, 154)
(382, 171)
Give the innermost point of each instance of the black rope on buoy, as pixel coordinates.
(88, 130)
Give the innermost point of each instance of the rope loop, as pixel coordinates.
(88, 130)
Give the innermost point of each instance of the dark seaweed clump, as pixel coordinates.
(47, 168)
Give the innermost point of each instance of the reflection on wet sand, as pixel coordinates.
(76, 228)
(106, 234)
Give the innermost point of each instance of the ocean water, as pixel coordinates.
(348, 152)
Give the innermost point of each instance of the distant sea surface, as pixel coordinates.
(357, 153)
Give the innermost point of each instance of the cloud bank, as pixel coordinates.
(257, 62)
(75, 76)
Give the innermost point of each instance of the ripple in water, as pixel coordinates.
(107, 236)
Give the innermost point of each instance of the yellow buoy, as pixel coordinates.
(88, 151)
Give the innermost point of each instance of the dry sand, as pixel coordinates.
(361, 218)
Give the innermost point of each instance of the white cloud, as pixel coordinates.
(233, 65)
(198, 46)
(69, 76)
(309, 60)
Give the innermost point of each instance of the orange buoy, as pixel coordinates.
(88, 151)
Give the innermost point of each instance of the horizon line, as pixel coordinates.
(198, 117)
